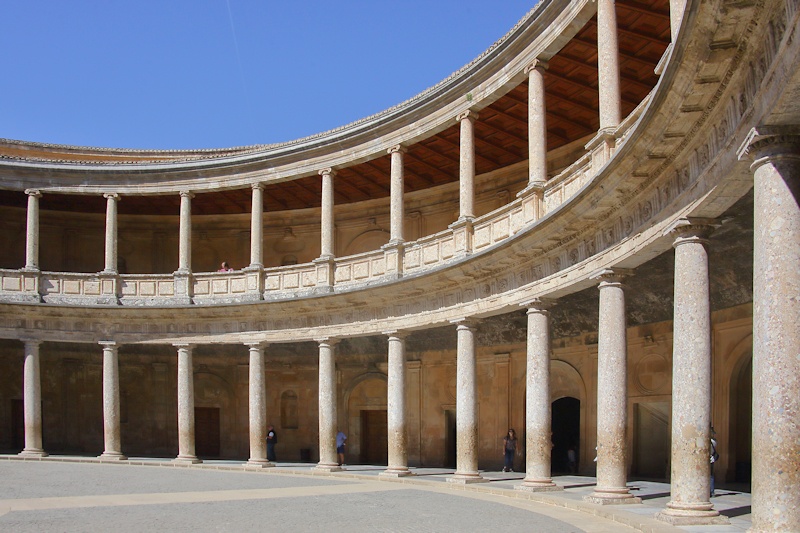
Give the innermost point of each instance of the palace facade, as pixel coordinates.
(590, 233)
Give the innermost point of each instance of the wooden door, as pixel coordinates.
(206, 431)
(374, 437)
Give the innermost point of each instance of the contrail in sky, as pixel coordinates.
(238, 56)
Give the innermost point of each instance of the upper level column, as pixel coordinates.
(257, 227)
(537, 123)
(32, 401)
(326, 244)
(608, 65)
(466, 172)
(690, 480)
(396, 199)
(776, 337)
(32, 230)
(676, 9)
(185, 244)
(112, 200)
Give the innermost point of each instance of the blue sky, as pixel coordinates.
(222, 73)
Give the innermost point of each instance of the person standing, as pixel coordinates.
(272, 440)
(714, 457)
(341, 442)
(509, 449)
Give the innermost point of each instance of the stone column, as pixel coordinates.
(326, 245)
(676, 9)
(111, 233)
(612, 393)
(186, 449)
(32, 400)
(258, 407)
(776, 338)
(466, 174)
(185, 244)
(396, 200)
(328, 459)
(538, 427)
(466, 406)
(691, 379)
(32, 230)
(608, 65)
(537, 124)
(257, 227)
(396, 404)
(111, 419)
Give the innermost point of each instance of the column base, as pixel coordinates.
(112, 456)
(187, 459)
(259, 463)
(691, 514)
(328, 467)
(609, 496)
(538, 485)
(396, 472)
(33, 452)
(466, 479)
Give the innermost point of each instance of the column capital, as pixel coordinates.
(112, 196)
(397, 148)
(330, 171)
(187, 194)
(31, 342)
(258, 185)
(465, 322)
(468, 114)
(398, 333)
(765, 143)
(330, 341)
(538, 305)
(608, 277)
(691, 229)
(256, 344)
(537, 64)
(183, 345)
(36, 193)
(108, 344)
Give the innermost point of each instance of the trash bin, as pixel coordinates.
(305, 455)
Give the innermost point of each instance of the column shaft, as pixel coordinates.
(32, 401)
(396, 199)
(538, 428)
(328, 459)
(111, 232)
(257, 227)
(467, 165)
(676, 9)
(111, 406)
(396, 404)
(186, 442)
(185, 244)
(537, 124)
(258, 407)
(326, 245)
(32, 230)
(608, 64)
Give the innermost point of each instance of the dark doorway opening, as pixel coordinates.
(374, 437)
(741, 421)
(206, 431)
(566, 425)
(450, 439)
(17, 425)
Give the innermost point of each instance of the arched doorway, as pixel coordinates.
(566, 425)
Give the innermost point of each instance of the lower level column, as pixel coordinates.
(538, 427)
(328, 459)
(258, 408)
(396, 405)
(466, 407)
(186, 448)
(32, 401)
(111, 427)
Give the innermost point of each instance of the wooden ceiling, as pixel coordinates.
(501, 137)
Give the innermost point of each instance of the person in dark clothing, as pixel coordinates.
(272, 440)
(509, 449)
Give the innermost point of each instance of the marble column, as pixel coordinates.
(186, 448)
(608, 65)
(776, 337)
(111, 418)
(537, 124)
(396, 404)
(111, 233)
(257, 227)
(466, 406)
(612, 392)
(538, 410)
(690, 482)
(676, 9)
(258, 407)
(32, 401)
(185, 243)
(396, 192)
(327, 231)
(32, 230)
(328, 459)
(466, 172)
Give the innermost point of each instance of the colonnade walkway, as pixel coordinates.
(71, 493)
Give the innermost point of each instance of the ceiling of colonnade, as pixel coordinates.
(501, 130)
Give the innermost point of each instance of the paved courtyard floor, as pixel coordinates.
(65, 494)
